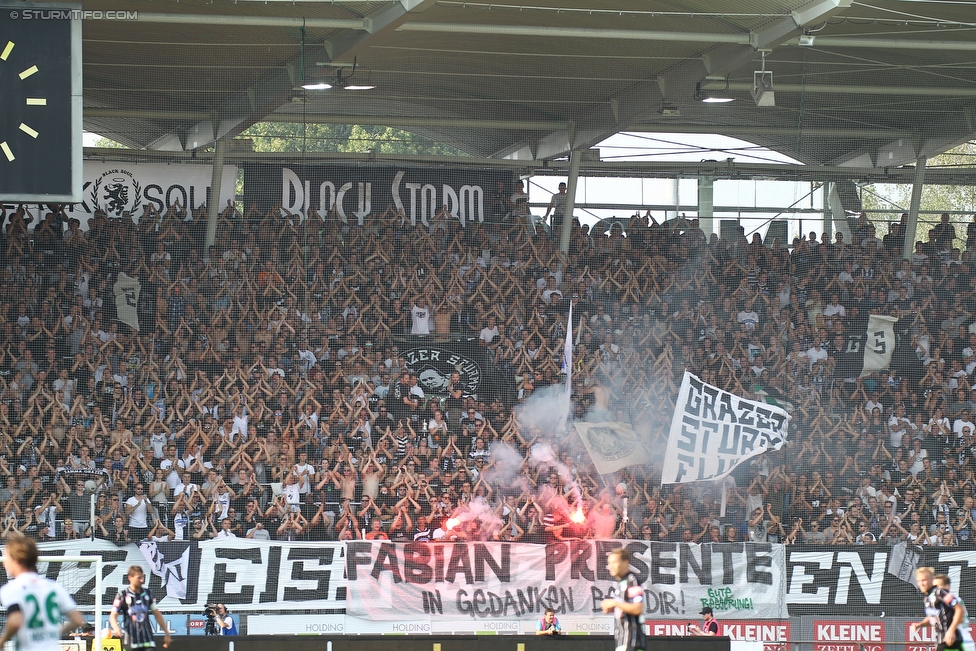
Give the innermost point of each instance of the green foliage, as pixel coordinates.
(291, 137)
(105, 143)
(934, 197)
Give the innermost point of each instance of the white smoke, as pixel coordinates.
(547, 410)
(476, 520)
(506, 462)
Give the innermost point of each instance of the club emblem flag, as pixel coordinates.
(127, 291)
(713, 431)
(611, 445)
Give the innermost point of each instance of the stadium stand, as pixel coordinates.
(271, 397)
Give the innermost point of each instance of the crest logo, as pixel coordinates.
(116, 192)
(609, 443)
(434, 366)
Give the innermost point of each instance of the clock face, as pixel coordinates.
(36, 140)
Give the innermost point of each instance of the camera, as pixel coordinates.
(210, 612)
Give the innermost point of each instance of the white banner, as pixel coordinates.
(511, 582)
(713, 431)
(247, 575)
(127, 291)
(612, 446)
(260, 575)
(880, 343)
(418, 587)
(117, 188)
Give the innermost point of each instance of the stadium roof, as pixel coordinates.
(876, 83)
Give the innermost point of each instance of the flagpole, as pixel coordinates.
(568, 367)
(568, 352)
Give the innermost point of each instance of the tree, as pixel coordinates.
(938, 198)
(296, 137)
(106, 143)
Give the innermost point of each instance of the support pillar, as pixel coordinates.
(706, 186)
(828, 217)
(911, 229)
(213, 206)
(567, 225)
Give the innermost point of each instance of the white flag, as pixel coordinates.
(713, 431)
(127, 291)
(612, 446)
(880, 343)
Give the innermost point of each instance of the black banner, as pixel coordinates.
(833, 580)
(358, 191)
(435, 361)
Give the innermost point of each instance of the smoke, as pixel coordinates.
(476, 520)
(542, 456)
(548, 411)
(506, 462)
(602, 521)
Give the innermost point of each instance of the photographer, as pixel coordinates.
(548, 625)
(225, 623)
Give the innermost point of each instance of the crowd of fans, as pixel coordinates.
(265, 396)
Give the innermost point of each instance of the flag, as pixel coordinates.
(127, 300)
(713, 431)
(170, 561)
(903, 561)
(880, 343)
(869, 350)
(611, 445)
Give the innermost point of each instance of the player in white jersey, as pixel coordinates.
(35, 605)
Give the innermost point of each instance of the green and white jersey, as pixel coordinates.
(43, 603)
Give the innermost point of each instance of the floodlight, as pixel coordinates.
(713, 96)
(762, 88)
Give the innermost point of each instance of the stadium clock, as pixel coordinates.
(40, 104)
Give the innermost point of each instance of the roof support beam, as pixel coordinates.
(642, 100)
(850, 89)
(242, 109)
(892, 43)
(250, 21)
(731, 130)
(575, 32)
(319, 118)
(647, 169)
(911, 228)
(441, 122)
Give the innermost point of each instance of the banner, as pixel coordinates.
(434, 363)
(357, 191)
(773, 633)
(117, 188)
(849, 580)
(247, 575)
(880, 343)
(612, 446)
(505, 581)
(127, 291)
(713, 431)
(848, 636)
(260, 575)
